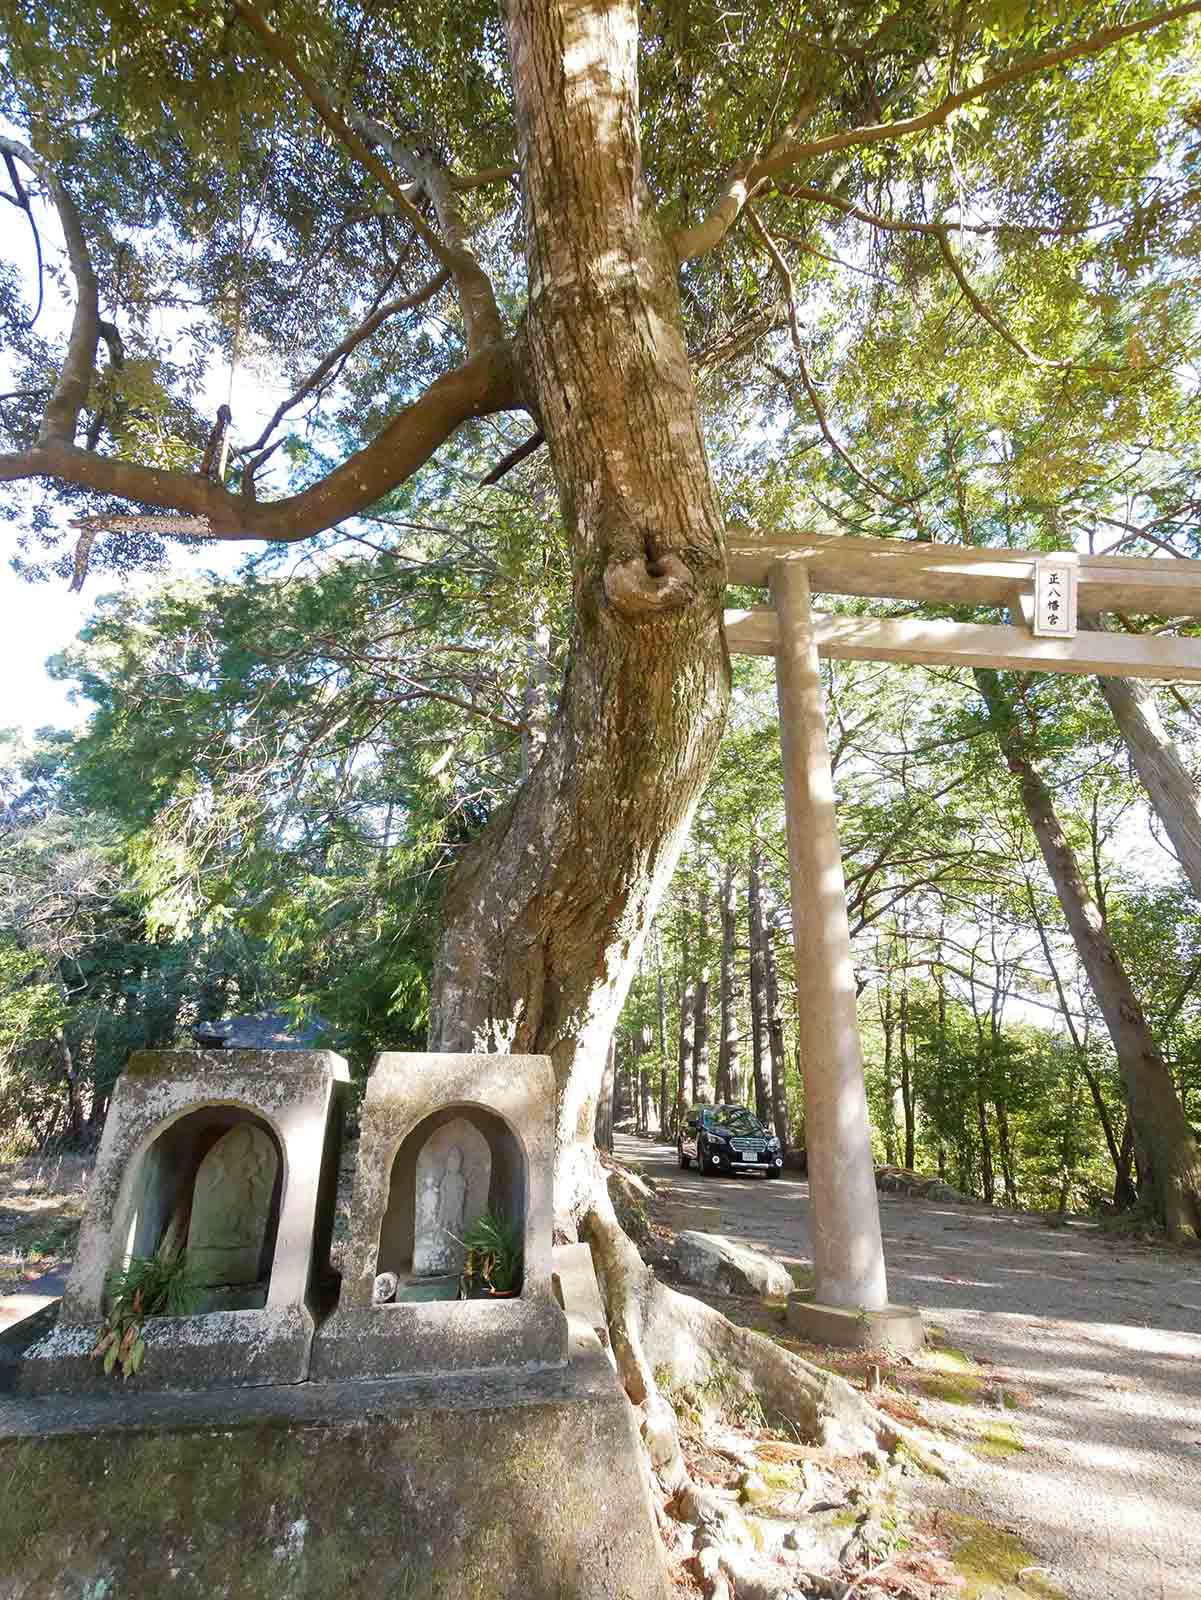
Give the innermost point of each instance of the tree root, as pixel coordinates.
(660, 1337)
(662, 1340)
(659, 1333)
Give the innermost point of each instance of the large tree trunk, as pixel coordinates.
(545, 918)
(1169, 1156)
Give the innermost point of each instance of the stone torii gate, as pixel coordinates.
(850, 1303)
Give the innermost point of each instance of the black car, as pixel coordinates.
(728, 1139)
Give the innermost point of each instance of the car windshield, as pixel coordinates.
(737, 1118)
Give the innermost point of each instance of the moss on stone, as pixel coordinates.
(951, 1375)
(781, 1476)
(998, 1442)
(996, 1565)
(439, 1506)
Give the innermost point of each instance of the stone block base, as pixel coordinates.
(895, 1327)
(417, 1337)
(222, 1350)
(460, 1489)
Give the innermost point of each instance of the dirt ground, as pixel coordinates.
(1073, 1360)
(41, 1202)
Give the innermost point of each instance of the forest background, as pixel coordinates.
(282, 766)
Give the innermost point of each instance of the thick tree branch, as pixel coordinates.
(20, 199)
(987, 314)
(482, 386)
(480, 310)
(748, 175)
(61, 417)
(736, 340)
(462, 181)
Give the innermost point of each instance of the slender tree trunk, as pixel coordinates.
(1067, 1149)
(74, 1088)
(661, 1018)
(1168, 782)
(1169, 1154)
(1124, 1193)
(604, 1104)
(701, 1089)
(906, 1081)
(1005, 1149)
(988, 1181)
(684, 1055)
(729, 1083)
(775, 1041)
(887, 1026)
(545, 918)
(757, 984)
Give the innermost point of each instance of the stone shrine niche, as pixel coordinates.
(454, 1169)
(231, 1157)
(232, 1225)
(210, 1184)
(444, 1138)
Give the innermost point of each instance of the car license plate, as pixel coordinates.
(748, 1155)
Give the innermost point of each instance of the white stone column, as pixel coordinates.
(844, 1213)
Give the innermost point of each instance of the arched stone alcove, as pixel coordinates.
(231, 1156)
(432, 1124)
(457, 1163)
(210, 1184)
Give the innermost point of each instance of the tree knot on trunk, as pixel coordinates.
(638, 588)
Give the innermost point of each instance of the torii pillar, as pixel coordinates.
(849, 1304)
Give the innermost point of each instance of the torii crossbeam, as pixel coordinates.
(850, 1302)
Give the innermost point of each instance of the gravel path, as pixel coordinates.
(1104, 1336)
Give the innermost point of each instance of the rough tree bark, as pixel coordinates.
(544, 922)
(545, 918)
(1169, 1155)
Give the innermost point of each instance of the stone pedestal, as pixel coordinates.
(478, 1488)
(413, 1115)
(171, 1110)
(891, 1327)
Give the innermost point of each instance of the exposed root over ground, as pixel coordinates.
(781, 1528)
